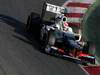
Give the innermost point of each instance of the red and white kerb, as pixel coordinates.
(76, 10)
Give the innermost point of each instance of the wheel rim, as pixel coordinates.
(47, 49)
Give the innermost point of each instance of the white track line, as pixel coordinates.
(83, 69)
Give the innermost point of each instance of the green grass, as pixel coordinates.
(91, 26)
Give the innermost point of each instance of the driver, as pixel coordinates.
(69, 37)
(67, 32)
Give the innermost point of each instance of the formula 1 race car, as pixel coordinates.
(48, 34)
(51, 44)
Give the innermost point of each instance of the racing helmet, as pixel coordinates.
(64, 19)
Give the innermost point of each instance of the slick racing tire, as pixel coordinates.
(33, 23)
(86, 47)
(50, 42)
(43, 42)
(51, 39)
(47, 41)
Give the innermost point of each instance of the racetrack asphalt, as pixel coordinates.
(19, 52)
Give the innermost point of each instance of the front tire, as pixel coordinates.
(47, 41)
(51, 39)
(86, 47)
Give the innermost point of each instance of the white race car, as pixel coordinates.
(51, 37)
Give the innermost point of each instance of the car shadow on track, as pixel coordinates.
(19, 28)
(26, 37)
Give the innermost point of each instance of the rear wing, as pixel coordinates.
(47, 7)
(54, 8)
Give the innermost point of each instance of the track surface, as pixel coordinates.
(19, 54)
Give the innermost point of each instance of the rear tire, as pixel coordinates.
(33, 23)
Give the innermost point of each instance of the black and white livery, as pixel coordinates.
(56, 37)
